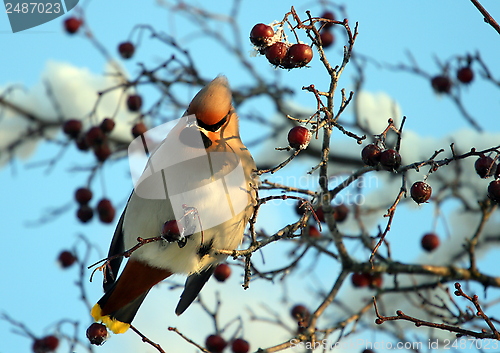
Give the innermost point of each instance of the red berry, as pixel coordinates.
(107, 125)
(97, 333)
(215, 343)
(276, 53)
(329, 16)
(72, 25)
(300, 207)
(81, 143)
(327, 38)
(441, 84)
(494, 190)
(313, 232)
(85, 213)
(261, 34)
(66, 259)
(83, 196)
(134, 102)
(420, 192)
(299, 137)
(340, 213)
(94, 136)
(170, 230)
(38, 346)
(485, 166)
(46, 344)
(222, 272)
(126, 50)
(465, 74)
(139, 129)
(360, 280)
(239, 345)
(72, 128)
(390, 159)
(320, 214)
(298, 55)
(300, 313)
(106, 211)
(376, 280)
(102, 152)
(371, 154)
(430, 241)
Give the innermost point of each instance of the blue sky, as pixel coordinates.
(37, 293)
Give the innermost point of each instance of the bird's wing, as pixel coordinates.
(194, 284)
(117, 247)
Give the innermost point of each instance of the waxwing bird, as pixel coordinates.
(197, 192)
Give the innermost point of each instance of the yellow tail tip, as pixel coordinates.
(114, 325)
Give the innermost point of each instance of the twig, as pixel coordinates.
(147, 340)
(174, 329)
(487, 17)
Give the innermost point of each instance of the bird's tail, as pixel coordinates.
(117, 308)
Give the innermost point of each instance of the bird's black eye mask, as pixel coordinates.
(190, 135)
(213, 127)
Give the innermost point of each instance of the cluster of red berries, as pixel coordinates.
(389, 159)
(486, 167)
(364, 279)
(46, 344)
(278, 53)
(104, 208)
(216, 344)
(442, 83)
(325, 34)
(96, 137)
